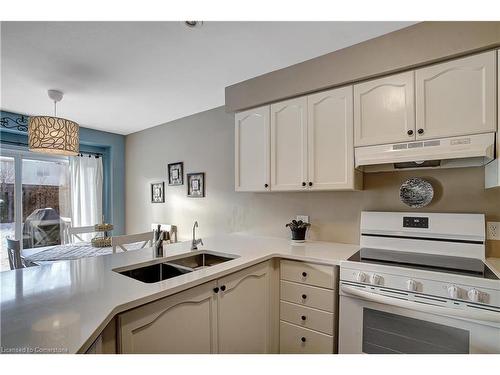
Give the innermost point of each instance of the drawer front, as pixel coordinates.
(297, 340)
(307, 273)
(306, 295)
(307, 317)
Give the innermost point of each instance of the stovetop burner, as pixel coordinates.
(429, 262)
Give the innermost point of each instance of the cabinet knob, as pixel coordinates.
(266, 185)
(303, 317)
(223, 288)
(304, 296)
(410, 132)
(304, 274)
(216, 290)
(303, 184)
(303, 339)
(310, 183)
(420, 131)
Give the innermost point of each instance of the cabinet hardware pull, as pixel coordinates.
(304, 296)
(303, 317)
(303, 184)
(420, 131)
(216, 290)
(310, 183)
(410, 132)
(266, 185)
(303, 339)
(304, 274)
(223, 288)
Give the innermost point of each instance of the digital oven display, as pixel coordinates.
(415, 222)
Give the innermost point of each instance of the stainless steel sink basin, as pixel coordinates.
(162, 271)
(155, 272)
(201, 260)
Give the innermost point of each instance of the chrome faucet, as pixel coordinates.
(195, 242)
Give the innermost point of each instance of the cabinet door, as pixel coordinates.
(457, 97)
(182, 323)
(384, 110)
(330, 140)
(244, 315)
(289, 144)
(252, 150)
(492, 170)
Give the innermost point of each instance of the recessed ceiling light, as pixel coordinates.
(193, 24)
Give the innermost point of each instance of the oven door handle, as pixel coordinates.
(480, 315)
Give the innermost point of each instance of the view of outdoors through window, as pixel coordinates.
(7, 180)
(45, 200)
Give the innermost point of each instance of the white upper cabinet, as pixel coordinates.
(252, 150)
(330, 140)
(492, 170)
(289, 144)
(457, 97)
(384, 110)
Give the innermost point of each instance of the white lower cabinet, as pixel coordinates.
(244, 319)
(308, 312)
(231, 315)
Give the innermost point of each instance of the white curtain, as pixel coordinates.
(86, 190)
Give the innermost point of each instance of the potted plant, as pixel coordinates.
(298, 229)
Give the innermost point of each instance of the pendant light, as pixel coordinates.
(53, 135)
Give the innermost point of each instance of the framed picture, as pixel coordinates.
(175, 173)
(196, 185)
(158, 192)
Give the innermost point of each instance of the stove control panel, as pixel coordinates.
(415, 222)
(438, 287)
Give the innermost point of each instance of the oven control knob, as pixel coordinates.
(360, 277)
(411, 285)
(453, 291)
(474, 295)
(375, 279)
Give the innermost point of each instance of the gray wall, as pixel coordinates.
(205, 143)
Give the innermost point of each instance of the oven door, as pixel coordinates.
(374, 324)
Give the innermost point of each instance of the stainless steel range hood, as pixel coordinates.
(454, 152)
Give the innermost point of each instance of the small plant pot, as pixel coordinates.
(299, 234)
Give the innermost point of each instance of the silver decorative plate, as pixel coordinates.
(416, 192)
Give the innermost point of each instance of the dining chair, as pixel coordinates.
(170, 229)
(14, 252)
(121, 241)
(76, 232)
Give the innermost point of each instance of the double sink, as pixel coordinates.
(162, 271)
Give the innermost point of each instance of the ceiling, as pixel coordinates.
(124, 77)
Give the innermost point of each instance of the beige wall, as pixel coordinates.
(205, 143)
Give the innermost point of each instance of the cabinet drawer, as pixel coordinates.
(307, 273)
(307, 317)
(297, 340)
(306, 295)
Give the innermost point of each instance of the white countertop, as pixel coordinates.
(65, 305)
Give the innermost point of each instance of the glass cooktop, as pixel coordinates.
(429, 262)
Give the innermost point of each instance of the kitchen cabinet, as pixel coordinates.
(252, 150)
(492, 170)
(457, 97)
(308, 307)
(289, 144)
(384, 110)
(330, 141)
(299, 144)
(244, 304)
(233, 314)
(179, 324)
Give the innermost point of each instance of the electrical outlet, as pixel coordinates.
(304, 218)
(493, 230)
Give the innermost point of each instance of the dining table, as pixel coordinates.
(48, 254)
